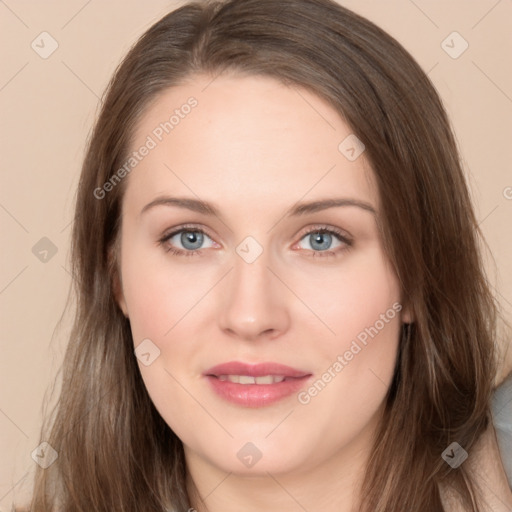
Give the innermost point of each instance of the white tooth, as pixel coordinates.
(267, 379)
(246, 379)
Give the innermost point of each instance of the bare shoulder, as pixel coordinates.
(486, 466)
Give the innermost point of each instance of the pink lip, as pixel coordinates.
(254, 370)
(255, 395)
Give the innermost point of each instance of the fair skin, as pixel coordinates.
(253, 148)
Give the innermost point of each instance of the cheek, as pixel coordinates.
(158, 294)
(353, 297)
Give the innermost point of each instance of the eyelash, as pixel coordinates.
(315, 229)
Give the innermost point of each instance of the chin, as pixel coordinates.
(258, 458)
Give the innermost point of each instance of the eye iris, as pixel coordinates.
(192, 237)
(323, 239)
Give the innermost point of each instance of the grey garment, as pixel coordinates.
(502, 419)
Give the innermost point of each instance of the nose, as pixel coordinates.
(253, 301)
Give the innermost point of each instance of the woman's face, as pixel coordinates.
(230, 275)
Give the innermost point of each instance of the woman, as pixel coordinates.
(280, 298)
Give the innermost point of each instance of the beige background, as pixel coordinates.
(48, 107)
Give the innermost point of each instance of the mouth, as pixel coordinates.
(255, 385)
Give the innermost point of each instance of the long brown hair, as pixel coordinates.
(116, 453)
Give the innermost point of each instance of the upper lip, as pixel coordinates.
(254, 370)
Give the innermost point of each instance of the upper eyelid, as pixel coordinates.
(173, 232)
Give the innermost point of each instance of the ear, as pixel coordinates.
(118, 293)
(407, 314)
(117, 286)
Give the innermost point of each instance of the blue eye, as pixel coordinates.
(321, 240)
(190, 239)
(194, 238)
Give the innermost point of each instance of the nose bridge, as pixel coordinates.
(253, 302)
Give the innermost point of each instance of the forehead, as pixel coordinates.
(249, 139)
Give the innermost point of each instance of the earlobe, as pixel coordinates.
(407, 315)
(118, 293)
(117, 287)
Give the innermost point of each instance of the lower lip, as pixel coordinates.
(256, 395)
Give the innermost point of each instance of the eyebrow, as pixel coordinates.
(298, 209)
